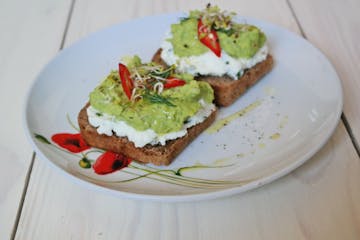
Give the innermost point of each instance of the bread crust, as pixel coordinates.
(226, 89)
(157, 155)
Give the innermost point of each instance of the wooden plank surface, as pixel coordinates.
(89, 16)
(309, 203)
(31, 33)
(334, 27)
(317, 201)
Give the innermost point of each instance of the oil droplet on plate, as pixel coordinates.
(283, 121)
(275, 136)
(225, 121)
(261, 145)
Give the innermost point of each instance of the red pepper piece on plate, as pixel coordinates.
(72, 142)
(109, 162)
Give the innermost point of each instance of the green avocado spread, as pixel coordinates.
(163, 112)
(237, 40)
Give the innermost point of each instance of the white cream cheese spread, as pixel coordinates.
(209, 64)
(108, 125)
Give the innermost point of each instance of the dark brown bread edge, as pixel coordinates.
(158, 155)
(227, 90)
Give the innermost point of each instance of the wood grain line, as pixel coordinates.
(23, 195)
(68, 19)
(351, 134)
(296, 18)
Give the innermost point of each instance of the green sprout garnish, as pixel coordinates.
(214, 18)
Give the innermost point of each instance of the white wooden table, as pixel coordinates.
(319, 200)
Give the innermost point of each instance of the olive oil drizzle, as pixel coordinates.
(218, 125)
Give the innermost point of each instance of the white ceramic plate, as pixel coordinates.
(286, 117)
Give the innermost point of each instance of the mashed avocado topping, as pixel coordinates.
(237, 40)
(184, 39)
(152, 107)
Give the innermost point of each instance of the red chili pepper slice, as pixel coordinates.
(109, 162)
(173, 82)
(209, 38)
(72, 142)
(126, 81)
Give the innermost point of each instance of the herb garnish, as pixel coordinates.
(156, 98)
(228, 32)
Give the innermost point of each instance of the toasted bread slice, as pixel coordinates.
(226, 89)
(157, 155)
